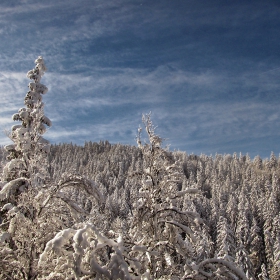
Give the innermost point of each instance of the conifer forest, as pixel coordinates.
(113, 211)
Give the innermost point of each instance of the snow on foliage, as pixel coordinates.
(12, 187)
(162, 239)
(32, 207)
(121, 212)
(29, 148)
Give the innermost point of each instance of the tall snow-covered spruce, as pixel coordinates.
(22, 176)
(27, 155)
(33, 208)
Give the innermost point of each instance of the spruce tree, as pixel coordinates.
(21, 179)
(33, 208)
(27, 166)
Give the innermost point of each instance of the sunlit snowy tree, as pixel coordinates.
(158, 240)
(32, 208)
(25, 171)
(27, 155)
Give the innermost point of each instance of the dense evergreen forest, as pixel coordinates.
(238, 198)
(112, 211)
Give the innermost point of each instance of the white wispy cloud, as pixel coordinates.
(24, 7)
(111, 88)
(12, 92)
(115, 130)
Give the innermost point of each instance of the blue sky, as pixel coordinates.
(207, 70)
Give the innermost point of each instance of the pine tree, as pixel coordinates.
(226, 246)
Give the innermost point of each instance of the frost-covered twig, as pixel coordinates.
(220, 262)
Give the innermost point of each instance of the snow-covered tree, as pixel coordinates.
(226, 246)
(32, 208)
(27, 155)
(159, 239)
(160, 234)
(25, 171)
